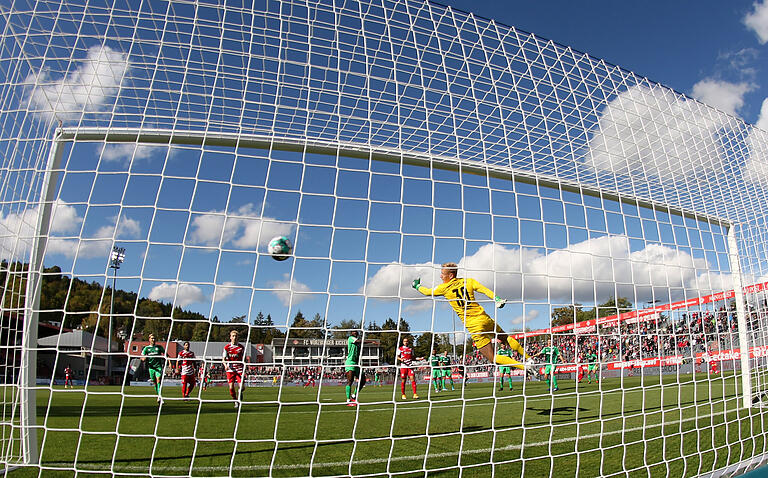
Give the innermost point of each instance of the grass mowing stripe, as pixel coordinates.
(690, 423)
(394, 458)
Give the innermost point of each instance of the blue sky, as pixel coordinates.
(539, 247)
(680, 44)
(363, 229)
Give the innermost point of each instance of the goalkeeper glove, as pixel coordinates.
(416, 283)
(499, 302)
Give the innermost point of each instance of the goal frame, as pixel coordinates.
(28, 417)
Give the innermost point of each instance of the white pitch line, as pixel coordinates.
(375, 461)
(414, 405)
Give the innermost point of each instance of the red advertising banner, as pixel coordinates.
(637, 316)
(735, 354)
(719, 356)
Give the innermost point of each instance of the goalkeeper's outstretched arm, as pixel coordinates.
(416, 284)
(477, 286)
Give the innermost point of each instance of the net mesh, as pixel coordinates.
(152, 150)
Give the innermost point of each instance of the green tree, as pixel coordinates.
(390, 335)
(264, 330)
(306, 329)
(426, 342)
(614, 306)
(160, 328)
(569, 314)
(341, 331)
(200, 331)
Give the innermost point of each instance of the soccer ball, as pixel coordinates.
(280, 248)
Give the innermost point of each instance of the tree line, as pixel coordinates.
(76, 303)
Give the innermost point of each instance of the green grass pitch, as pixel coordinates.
(680, 426)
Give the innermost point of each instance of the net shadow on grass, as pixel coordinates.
(267, 445)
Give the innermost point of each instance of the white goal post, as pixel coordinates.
(507, 257)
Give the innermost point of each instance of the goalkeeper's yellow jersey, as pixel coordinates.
(461, 295)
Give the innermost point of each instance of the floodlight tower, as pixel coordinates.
(115, 259)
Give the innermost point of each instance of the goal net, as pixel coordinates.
(501, 256)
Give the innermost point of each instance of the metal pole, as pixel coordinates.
(741, 317)
(109, 334)
(28, 373)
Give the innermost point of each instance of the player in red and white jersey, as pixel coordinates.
(205, 376)
(188, 365)
(713, 363)
(233, 365)
(310, 378)
(68, 377)
(405, 357)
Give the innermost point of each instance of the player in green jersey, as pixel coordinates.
(353, 369)
(592, 366)
(504, 349)
(437, 375)
(153, 355)
(551, 355)
(445, 363)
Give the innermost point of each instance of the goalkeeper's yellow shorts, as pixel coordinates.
(483, 329)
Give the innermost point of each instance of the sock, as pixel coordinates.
(517, 347)
(504, 360)
(190, 388)
(183, 388)
(402, 387)
(232, 393)
(413, 387)
(349, 392)
(554, 380)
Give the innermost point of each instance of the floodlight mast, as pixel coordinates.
(115, 259)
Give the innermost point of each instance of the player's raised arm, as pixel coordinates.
(439, 290)
(477, 286)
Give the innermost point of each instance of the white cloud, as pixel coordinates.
(122, 151)
(67, 222)
(187, 294)
(128, 228)
(244, 229)
(288, 290)
(527, 318)
(755, 168)
(656, 132)
(757, 21)
(395, 280)
(762, 120)
(87, 87)
(66, 218)
(17, 230)
(190, 293)
(100, 242)
(723, 95)
(582, 272)
(224, 291)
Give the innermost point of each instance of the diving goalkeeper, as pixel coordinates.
(460, 293)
